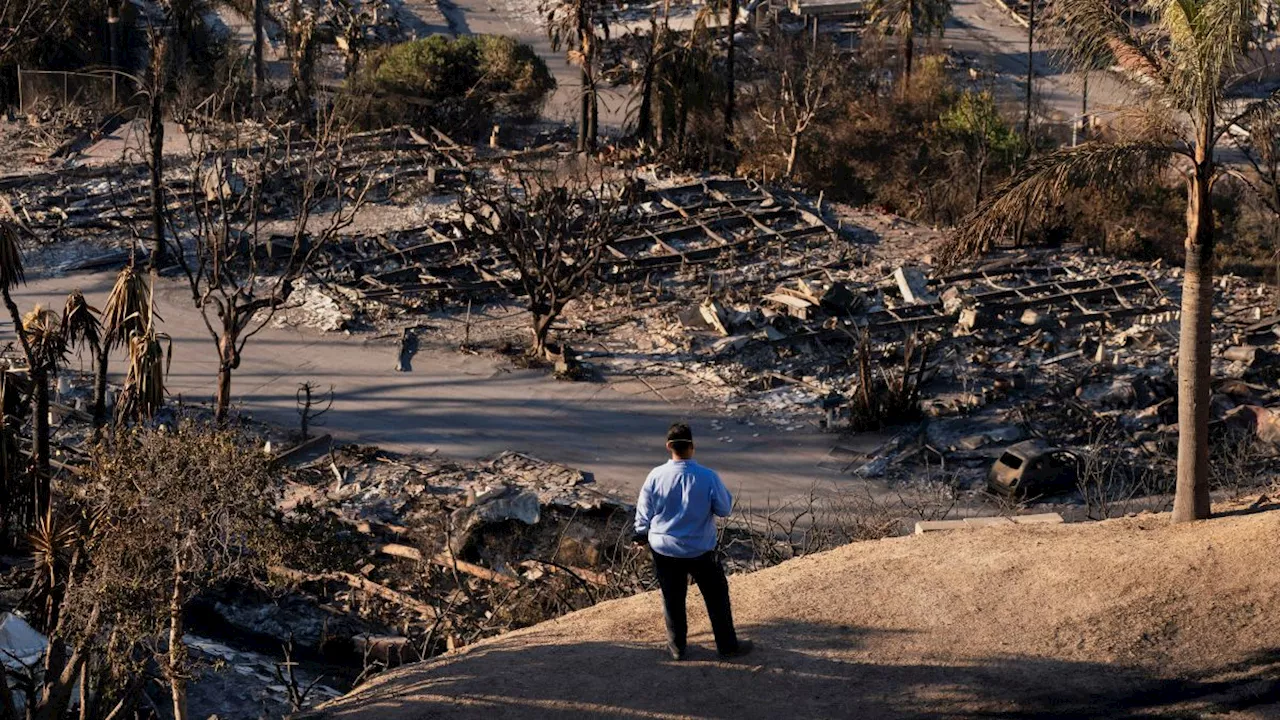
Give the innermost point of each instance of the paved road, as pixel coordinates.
(985, 30)
(464, 406)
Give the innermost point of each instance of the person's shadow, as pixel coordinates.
(797, 670)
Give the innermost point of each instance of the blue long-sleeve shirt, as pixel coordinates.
(678, 506)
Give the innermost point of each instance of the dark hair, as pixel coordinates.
(679, 436)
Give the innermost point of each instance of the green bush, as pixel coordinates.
(513, 74)
(459, 84)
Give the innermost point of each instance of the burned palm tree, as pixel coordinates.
(126, 314)
(48, 349)
(150, 353)
(143, 395)
(680, 81)
(1186, 58)
(80, 322)
(578, 27)
(11, 275)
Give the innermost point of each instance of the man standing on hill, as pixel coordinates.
(676, 516)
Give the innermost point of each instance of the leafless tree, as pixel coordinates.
(797, 90)
(553, 228)
(239, 272)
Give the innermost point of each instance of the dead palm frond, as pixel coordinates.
(128, 308)
(43, 329)
(1092, 34)
(1041, 183)
(143, 395)
(53, 542)
(80, 324)
(11, 271)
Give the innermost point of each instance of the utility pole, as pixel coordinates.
(1084, 107)
(259, 52)
(728, 103)
(1031, 71)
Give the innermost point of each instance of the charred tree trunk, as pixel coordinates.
(542, 320)
(100, 384)
(982, 176)
(729, 79)
(228, 361)
(8, 710)
(584, 112)
(16, 317)
(177, 649)
(155, 133)
(58, 691)
(791, 155)
(40, 431)
(259, 52)
(1191, 501)
(593, 125)
(222, 400)
(644, 118)
(1031, 72)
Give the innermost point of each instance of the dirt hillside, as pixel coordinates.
(1125, 618)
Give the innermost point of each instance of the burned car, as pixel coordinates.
(1033, 469)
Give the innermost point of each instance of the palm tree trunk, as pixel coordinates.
(729, 78)
(100, 384)
(155, 132)
(40, 431)
(1191, 501)
(644, 118)
(177, 649)
(259, 52)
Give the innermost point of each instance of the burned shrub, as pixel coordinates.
(553, 230)
(882, 398)
(161, 515)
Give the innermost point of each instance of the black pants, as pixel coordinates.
(673, 577)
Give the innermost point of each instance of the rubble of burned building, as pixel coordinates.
(760, 302)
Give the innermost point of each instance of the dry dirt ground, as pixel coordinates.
(1125, 618)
